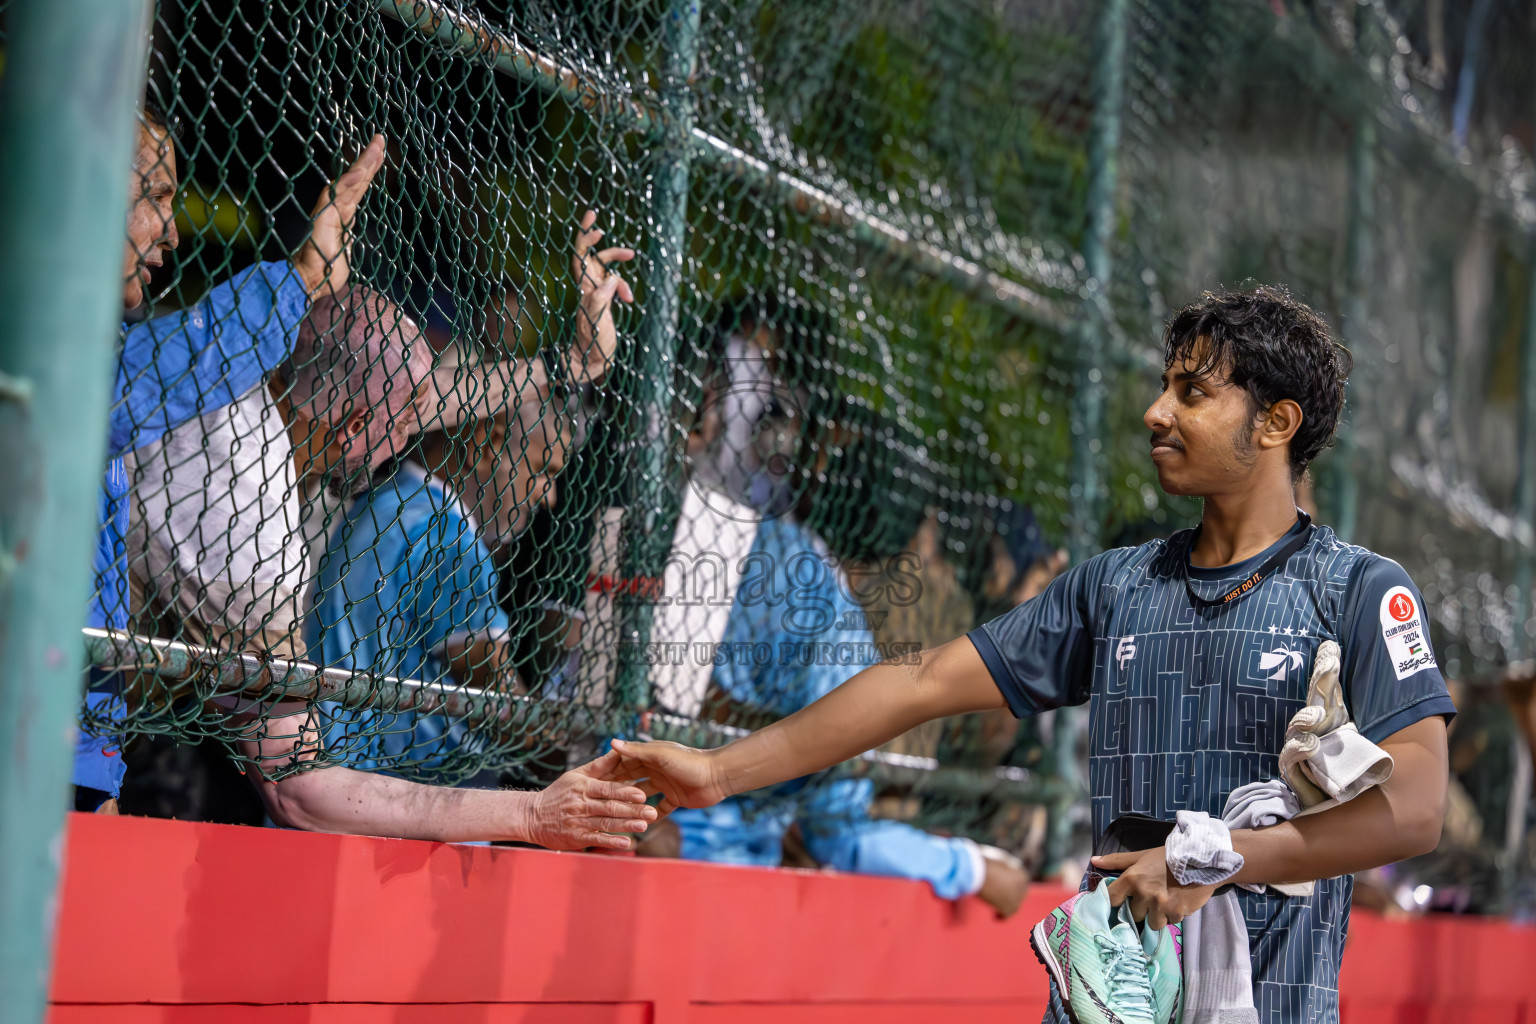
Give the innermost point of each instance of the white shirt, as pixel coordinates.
(216, 525)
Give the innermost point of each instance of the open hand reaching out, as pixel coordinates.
(324, 260)
(684, 776)
(587, 807)
(597, 338)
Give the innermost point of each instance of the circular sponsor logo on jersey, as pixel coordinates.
(1401, 607)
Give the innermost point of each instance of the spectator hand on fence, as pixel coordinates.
(323, 260)
(597, 338)
(586, 807)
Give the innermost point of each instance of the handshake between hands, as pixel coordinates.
(603, 803)
(597, 804)
(687, 777)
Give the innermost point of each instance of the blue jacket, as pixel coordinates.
(173, 369)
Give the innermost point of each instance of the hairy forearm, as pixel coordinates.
(455, 400)
(872, 708)
(483, 663)
(363, 803)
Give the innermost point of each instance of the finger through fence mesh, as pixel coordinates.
(834, 385)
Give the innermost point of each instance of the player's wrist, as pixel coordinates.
(304, 272)
(726, 772)
(313, 271)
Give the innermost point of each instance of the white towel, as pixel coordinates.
(1218, 971)
(1199, 850)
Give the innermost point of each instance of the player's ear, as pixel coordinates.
(355, 425)
(1280, 423)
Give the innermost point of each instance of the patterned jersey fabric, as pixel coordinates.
(1188, 702)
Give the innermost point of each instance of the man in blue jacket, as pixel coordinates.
(175, 368)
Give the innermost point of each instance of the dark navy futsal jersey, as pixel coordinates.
(1191, 701)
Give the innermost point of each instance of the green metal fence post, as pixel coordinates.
(1092, 333)
(74, 69)
(653, 501)
(1525, 471)
(1092, 327)
(1358, 259)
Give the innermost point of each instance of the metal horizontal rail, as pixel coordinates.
(809, 201)
(471, 36)
(1500, 189)
(1461, 501)
(162, 671)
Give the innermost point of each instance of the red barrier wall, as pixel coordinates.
(166, 922)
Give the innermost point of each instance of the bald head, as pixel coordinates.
(356, 372)
(504, 465)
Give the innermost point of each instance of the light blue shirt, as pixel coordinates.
(404, 577)
(794, 634)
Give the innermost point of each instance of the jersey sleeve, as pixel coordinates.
(175, 368)
(453, 586)
(1040, 654)
(1390, 676)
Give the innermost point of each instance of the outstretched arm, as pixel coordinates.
(873, 707)
(483, 662)
(1037, 656)
(577, 810)
(581, 808)
(1398, 819)
(587, 360)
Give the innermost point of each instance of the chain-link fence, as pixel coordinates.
(900, 269)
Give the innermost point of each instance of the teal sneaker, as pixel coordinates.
(1165, 951)
(1109, 982)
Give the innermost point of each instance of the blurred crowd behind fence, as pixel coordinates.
(901, 271)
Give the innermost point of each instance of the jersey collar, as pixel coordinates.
(1210, 582)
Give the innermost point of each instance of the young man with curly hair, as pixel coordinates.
(1193, 653)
